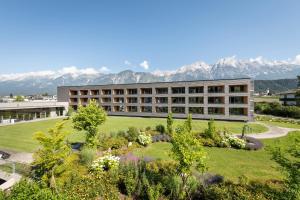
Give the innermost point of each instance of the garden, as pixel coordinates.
(175, 161)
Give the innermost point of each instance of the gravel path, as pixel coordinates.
(273, 132)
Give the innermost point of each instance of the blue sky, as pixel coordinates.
(49, 35)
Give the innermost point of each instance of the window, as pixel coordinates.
(94, 92)
(107, 108)
(238, 111)
(178, 90)
(73, 100)
(131, 91)
(146, 90)
(73, 92)
(161, 100)
(119, 100)
(216, 100)
(161, 90)
(196, 90)
(161, 109)
(215, 89)
(83, 92)
(83, 100)
(132, 108)
(238, 100)
(146, 109)
(196, 100)
(178, 100)
(106, 100)
(119, 91)
(132, 100)
(106, 92)
(215, 111)
(146, 99)
(178, 110)
(196, 110)
(237, 88)
(119, 108)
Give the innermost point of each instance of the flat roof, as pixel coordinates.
(111, 84)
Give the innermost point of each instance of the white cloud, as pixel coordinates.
(297, 60)
(126, 62)
(145, 64)
(51, 74)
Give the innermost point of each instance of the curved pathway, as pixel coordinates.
(273, 132)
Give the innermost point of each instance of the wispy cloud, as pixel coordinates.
(72, 70)
(128, 63)
(145, 64)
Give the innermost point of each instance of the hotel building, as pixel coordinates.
(229, 99)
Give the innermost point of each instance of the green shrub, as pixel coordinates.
(132, 134)
(113, 142)
(160, 128)
(148, 128)
(87, 155)
(276, 109)
(144, 139)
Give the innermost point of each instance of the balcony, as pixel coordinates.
(238, 100)
(95, 92)
(238, 111)
(196, 100)
(132, 100)
(196, 110)
(106, 100)
(119, 108)
(106, 92)
(178, 90)
(146, 99)
(146, 90)
(196, 90)
(178, 100)
(216, 100)
(161, 90)
(238, 88)
(178, 110)
(147, 109)
(84, 92)
(132, 91)
(119, 92)
(215, 89)
(73, 92)
(118, 100)
(161, 100)
(161, 109)
(107, 108)
(216, 111)
(132, 109)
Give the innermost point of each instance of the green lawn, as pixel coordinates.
(231, 163)
(19, 137)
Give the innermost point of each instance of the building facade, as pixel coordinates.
(26, 111)
(209, 99)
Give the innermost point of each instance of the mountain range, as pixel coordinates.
(263, 71)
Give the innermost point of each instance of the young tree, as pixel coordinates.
(54, 157)
(88, 119)
(289, 162)
(211, 131)
(189, 153)
(170, 123)
(188, 123)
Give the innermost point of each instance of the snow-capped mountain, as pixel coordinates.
(231, 67)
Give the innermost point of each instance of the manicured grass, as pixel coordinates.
(283, 124)
(231, 163)
(19, 137)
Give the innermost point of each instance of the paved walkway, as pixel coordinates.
(273, 132)
(34, 120)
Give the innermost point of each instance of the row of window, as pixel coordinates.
(165, 100)
(177, 110)
(165, 90)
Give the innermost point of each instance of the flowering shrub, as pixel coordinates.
(233, 141)
(144, 139)
(105, 163)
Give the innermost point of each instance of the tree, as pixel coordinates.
(210, 132)
(188, 122)
(19, 98)
(289, 162)
(189, 153)
(170, 122)
(88, 119)
(54, 158)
